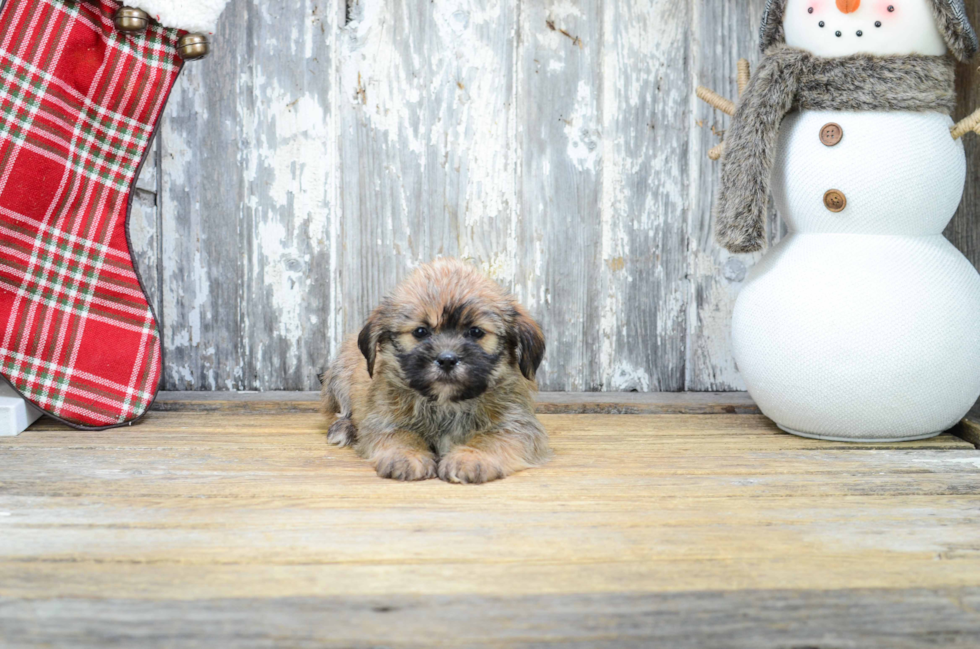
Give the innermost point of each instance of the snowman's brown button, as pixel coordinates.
(831, 134)
(835, 201)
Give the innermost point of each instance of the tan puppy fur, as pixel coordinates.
(440, 382)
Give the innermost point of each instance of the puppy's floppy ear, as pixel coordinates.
(367, 342)
(529, 342)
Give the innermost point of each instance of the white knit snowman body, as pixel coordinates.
(863, 324)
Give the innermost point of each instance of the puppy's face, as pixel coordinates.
(451, 355)
(450, 333)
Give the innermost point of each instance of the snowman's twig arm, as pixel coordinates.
(724, 105)
(715, 100)
(744, 73)
(971, 123)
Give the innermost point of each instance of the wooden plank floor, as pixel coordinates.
(228, 525)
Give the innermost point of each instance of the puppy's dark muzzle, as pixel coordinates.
(447, 361)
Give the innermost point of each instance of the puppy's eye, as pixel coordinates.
(476, 333)
(421, 333)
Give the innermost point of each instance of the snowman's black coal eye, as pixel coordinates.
(822, 23)
(810, 10)
(877, 23)
(839, 34)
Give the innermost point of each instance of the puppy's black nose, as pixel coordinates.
(447, 360)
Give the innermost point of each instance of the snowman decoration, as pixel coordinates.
(863, 324)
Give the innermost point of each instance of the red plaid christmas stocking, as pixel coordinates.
(79, 104)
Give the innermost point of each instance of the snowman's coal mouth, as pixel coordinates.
(840, 33)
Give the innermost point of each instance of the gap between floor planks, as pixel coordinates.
(555, 403)
(564, 403)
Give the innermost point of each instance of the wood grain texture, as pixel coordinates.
(644, 294)
(770, 619)
(203, 190)
(561, 158)
(426, 147)
(246, 529)
(727, 32)
(327, 148)
(964, 231)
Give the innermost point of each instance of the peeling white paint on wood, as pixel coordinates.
(328, 147)
(724, 32)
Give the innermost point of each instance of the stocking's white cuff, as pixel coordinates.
(199, 16)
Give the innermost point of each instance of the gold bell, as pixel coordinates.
(193, 46)
(131, 21)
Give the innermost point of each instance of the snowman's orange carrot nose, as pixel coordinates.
(848, 6)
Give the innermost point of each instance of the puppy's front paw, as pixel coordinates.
(407, 465)
(470, 466)
(342, 432)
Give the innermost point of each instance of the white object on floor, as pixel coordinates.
(862, 325)
(16, 414)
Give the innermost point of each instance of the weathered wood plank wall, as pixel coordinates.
(328, 147)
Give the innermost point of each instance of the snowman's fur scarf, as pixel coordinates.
(951, 18)
(792, 79)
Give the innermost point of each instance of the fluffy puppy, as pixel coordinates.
(440, 381)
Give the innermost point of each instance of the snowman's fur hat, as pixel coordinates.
(950, 16)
